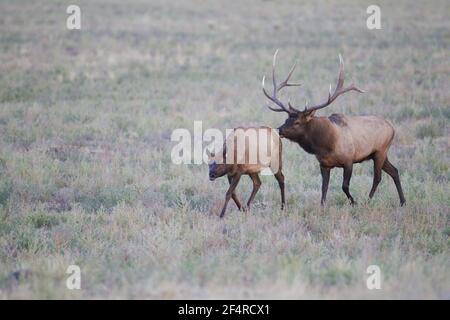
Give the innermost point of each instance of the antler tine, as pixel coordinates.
(277, 88)
(338, 91)
(273, 99)
(274, 62)
(341, 77)
(286, 83)
(291, 108)
(276, 110)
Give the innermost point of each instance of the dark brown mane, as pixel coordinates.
(338, 119)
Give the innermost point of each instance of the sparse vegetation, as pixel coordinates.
(85, 170)
(427, 130)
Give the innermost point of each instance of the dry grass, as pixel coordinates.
(85, 170)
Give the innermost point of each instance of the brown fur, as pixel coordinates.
(340, 141)
(337, 140)
(242, 163)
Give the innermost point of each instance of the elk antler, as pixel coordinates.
(278, 87)
(337, 92)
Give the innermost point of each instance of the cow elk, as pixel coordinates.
(248, 151)
(338, 140)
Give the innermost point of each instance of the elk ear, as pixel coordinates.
(310, 115)
(209, 154)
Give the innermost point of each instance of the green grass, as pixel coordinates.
(85, 170)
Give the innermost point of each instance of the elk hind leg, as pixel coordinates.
(280, 178)
(234, 196)
(325, 172)
(393, 172)
(234, 183)
(256, 184)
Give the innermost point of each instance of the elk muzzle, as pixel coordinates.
(280, 132)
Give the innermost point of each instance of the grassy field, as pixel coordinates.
(86, 176)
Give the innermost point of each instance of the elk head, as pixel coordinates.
(217, 165)
(298, 120)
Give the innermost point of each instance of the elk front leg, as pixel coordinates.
(234, 196)
(256, 185)
(346, 183)
(325, 172)
(280, 178)
(234, 183)
(393, 172)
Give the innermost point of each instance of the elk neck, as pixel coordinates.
(318, 136)
(228, 168)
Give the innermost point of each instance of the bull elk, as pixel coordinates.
(338, 140)
(242, 154)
